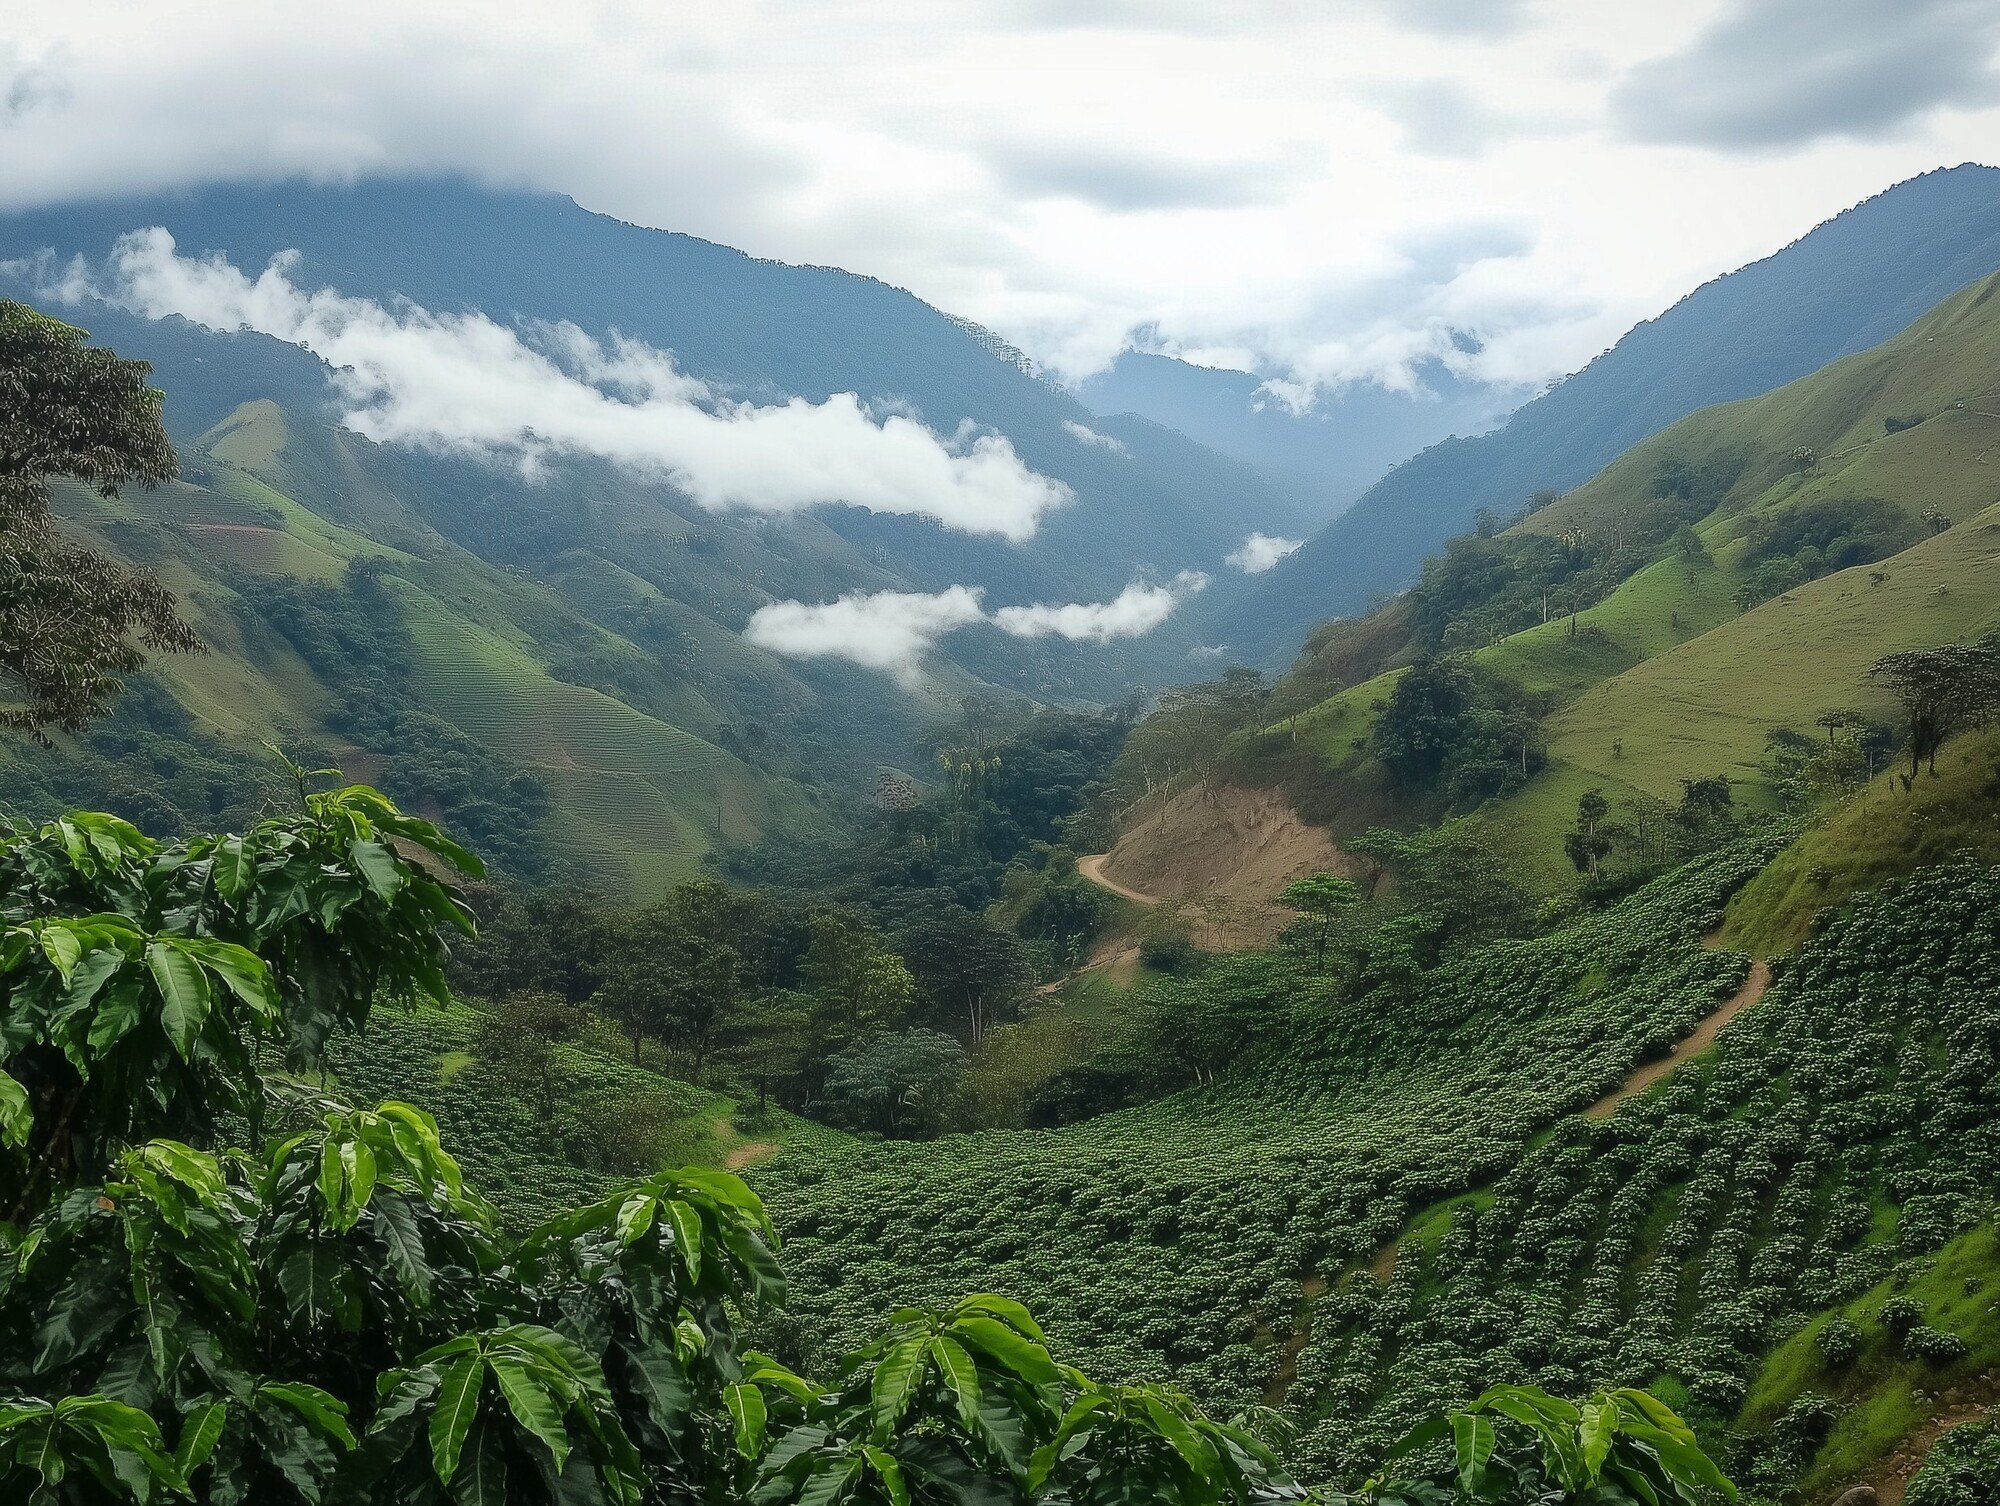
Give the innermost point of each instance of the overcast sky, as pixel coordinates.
(1318, 192)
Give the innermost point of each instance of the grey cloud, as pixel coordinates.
(27, 86)
(1132, 180)
(1441, 118)
(1771, 74)
(1485, 18)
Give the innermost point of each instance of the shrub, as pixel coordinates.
(1839, 1341)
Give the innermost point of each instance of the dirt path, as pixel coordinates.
(1382, 1265)
(1704, 1035)
(1117, 955)
(1092, 868)
(746, 1153)
(749, 1153)
(1891, 1477)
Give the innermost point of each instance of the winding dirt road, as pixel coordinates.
(1092, 868)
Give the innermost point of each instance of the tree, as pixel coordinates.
(862, 985)
(1324, 902)
(1588, 843)
(896, 1084)
(1706, 814)
(766, 1039)
(1186, 735)
(1193, 1029)
(1942, 690)
(967, 965)
(536, 940)
(668, 980)
(520, 1037)
(72, 620)
(1424, 720)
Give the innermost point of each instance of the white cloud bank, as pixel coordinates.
(462, 383)
(893, 631)
(1085, 435)
(1259, 552)
(1136, 610)
(888, 630)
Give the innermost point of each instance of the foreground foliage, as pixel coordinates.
(341, 1318)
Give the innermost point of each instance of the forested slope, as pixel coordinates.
(1849, 284)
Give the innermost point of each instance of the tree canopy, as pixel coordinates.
(72, 619)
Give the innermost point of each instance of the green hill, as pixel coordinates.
(1396, 1203)
(1679, 671)
(263, 540)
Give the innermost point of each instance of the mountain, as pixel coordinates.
(1711, 1135)
(1850, 283)
(1808, 532)
(1324, 455)
(579, 626)
(756, 329)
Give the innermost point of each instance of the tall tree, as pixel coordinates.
(967, 966)
(1325, 902)
(72, 620)
(1943, 690)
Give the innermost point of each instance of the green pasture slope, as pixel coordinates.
(644, 797)
(1668, 678)
(1402, 1206)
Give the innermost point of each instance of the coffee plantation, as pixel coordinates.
(340, 1316)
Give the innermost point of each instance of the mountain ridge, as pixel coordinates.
(1820, 298)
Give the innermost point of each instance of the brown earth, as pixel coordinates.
(1890, 1479)
(1223, 854)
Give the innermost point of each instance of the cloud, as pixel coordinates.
(1480, 18)
(1135, 611)
(890, 631)
(460, 383)
(1441, 117)
(894, 631)
(1084, 434)
(1259, 552)
(892, 144)
(1773, 74)
(1128, 181)
(29, 84)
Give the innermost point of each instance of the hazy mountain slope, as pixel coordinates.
(645, 738)
(762, 330)
(1670, 676)
(1326, 455)
(1850, 283)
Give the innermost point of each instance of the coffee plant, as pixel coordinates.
(340, 1317)
(1400, 1207)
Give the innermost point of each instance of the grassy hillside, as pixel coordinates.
(1883, 833)
(1675, 673)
